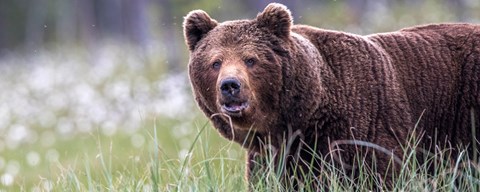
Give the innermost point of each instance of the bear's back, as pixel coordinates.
(438, 65)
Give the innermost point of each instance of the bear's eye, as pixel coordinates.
(216, 65)
(249, 62)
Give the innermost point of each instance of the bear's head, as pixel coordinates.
(235, 67)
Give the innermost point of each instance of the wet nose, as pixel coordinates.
(230, 87)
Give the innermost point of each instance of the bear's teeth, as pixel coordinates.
(234, 107)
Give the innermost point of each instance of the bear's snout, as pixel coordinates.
(232, 99)
(230, 87)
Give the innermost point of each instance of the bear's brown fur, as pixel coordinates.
(268, 82)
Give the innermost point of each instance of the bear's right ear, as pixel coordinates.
(277, 19)
(197, 23)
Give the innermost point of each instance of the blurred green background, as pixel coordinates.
(80, 79)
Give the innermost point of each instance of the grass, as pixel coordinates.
(108, 164)
(207, 166)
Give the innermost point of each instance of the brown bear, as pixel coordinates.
(269, 85)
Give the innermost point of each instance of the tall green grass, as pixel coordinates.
(204, 169)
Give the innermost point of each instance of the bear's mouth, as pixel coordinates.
(234, 107)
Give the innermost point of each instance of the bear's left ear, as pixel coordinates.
(277, 19)
(196, 24)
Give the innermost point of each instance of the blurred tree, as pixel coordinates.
(110, 18)
(459, 7)
(136, 23)
(85, 16)
(170, 35)
(65, 27)
(34, 24)
(12, 24)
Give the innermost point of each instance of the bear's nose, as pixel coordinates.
(230, 87)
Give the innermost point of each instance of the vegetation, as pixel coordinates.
(208, 167)
(122, 127)
(92, 98)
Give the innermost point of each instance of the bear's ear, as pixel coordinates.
(197, 23)
(277, 19)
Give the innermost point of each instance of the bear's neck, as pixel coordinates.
(306, 100)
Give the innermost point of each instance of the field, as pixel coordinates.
(82, 111)
(72, 123)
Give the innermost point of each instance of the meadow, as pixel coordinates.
(68, 121)
(105, 120)
(107, 116)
